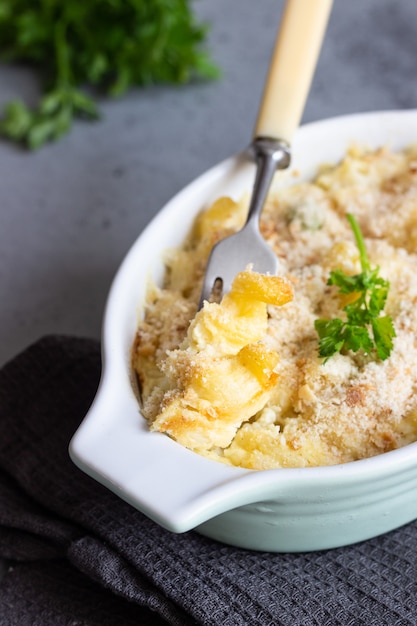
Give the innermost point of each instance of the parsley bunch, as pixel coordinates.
(364, 328)
(110, 45)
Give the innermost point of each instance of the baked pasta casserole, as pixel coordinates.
(241, 381)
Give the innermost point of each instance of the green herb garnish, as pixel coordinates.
(364, 328)
(110, 45)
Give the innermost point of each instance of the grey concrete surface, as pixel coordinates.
(69, 213)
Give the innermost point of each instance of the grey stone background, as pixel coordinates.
(69, 213)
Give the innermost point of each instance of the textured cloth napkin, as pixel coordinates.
(78, 555)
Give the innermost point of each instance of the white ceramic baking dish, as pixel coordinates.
(274, 510)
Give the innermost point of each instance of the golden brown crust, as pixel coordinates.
(303, 413)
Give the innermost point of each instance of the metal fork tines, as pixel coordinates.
(247, 247)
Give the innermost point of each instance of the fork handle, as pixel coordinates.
(292, 66)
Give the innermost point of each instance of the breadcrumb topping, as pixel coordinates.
(307, 413)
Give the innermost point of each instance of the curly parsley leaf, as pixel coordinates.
(365, 328)
(109, 45)
(383, 330)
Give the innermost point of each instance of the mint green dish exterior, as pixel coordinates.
(281, 510)
(320, 513)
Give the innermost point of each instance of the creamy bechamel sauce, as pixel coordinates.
(265, 399)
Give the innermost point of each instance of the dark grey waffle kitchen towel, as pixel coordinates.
(80, 556)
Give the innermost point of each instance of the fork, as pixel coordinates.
(291, 70)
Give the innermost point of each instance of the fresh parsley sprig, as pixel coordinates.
(108, 45)
(364, 327)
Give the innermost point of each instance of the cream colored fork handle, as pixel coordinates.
(292, 67)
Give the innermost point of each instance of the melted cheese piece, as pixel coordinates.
(223, 374)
